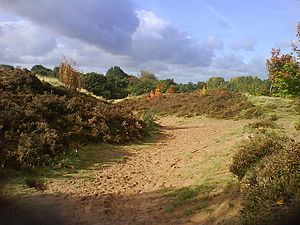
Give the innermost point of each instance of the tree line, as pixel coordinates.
(116, 83)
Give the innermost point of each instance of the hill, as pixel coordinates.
(39, 121)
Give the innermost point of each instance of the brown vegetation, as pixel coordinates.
(38, 121)
(214, 103)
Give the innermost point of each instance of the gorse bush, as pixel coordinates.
(214, 103)
(268, 167)
(38, 121)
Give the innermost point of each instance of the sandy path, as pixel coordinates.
(191, 151)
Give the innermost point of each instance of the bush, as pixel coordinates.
(271, 194)
(38, 121)
(253, 150)
(268, 167)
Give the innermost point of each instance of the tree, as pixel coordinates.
(118, 82)
(96, 83)
(215, 82)
(41, 70)
(141, 86)
(284, 73)
(248, 84)
(69, 75)
(166, 84)
(6, 67)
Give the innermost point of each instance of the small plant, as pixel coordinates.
(149, 119)
(261, 125)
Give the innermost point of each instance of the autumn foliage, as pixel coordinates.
(69, 75)
(284, 72)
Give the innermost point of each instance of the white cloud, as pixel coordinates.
(99, 34)
(21, 39)
(156, 39)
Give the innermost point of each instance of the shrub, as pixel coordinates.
(267, 166)
(253, 150)
(271, 194)
(38, 121)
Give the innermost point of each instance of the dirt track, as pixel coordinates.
(189, 152)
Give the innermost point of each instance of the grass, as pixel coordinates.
(283, 110)
(190, 196)
(56, 82)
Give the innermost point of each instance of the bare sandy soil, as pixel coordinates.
(128, 184)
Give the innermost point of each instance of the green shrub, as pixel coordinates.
(149, 119)
(271, 193)
(253, 150)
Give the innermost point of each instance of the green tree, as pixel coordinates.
(41, 70)
(248, 84)
(189, 87)
(96, 83)
(6, 67)
(166, 84)
(118, 82)
(215, 82)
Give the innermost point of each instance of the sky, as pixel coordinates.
(188, 40)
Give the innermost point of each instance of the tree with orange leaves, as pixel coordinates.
(69, 75)
(284, 71)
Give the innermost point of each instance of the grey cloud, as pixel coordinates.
(228, 61)
(233, 65)
(106, 24)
